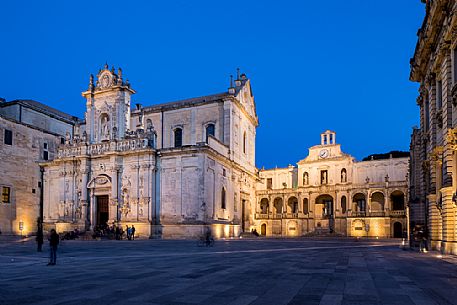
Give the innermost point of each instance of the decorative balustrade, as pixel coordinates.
(399, 213)
(101, 148)
(396, 213)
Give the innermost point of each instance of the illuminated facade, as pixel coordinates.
(329, 192)
(30, 132)
(169, 169)
(173, 169)
(434, 144)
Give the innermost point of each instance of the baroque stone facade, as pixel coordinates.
(329, 192)
(433, 145)
(174, 169)
(168, 169)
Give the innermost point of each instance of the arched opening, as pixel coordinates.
(244, 142)
(263, 229)
(210, 131)
(223, 204)
(292, 203)
(324, 203)
(305, 206)
(398, 200)
(398, 230)
(343, 204)
(178, 137)
(359, 202)
(377, 202)
(305, 178)
(264, 206)
(344, 177)
(277, 204)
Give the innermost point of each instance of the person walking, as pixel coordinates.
(53, 243)
(133, 232)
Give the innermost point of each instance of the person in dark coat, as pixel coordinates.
(133, 232)
(53, 243)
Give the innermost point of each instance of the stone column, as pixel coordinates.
(92, 209)
(448, 224)
(113, 202)
(83, 199)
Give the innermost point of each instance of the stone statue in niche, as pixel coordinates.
(105, 127)
(67, 138)
(343, 176)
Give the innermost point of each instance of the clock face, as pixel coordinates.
(324, 153)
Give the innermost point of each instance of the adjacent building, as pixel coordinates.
(434, 144)
(30, 132)
(329, 192)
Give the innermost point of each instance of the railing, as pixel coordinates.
(100, 148)
(398, 213)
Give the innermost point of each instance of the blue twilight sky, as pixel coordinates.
(314, 65)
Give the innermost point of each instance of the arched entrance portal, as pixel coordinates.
(263, 229)
(324, 212)
(398, 230)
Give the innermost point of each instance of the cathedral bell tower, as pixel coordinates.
(108, 106)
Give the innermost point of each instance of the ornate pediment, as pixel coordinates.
(102, 180)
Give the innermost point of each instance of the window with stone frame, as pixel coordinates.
(210, 130)
(223, 203)
(6, 194)
(324, 177)
(178, 137)
(269, 183)
(8, 137)
(45, 151)
(343, 204)
(244, 142)
(305, 206)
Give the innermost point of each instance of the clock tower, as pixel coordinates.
(108, 106)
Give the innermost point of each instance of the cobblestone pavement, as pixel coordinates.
(261, 271)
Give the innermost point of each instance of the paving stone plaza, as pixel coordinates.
(260, 271)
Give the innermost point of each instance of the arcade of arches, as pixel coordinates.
(358, 213)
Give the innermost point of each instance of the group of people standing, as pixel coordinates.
(119, 232)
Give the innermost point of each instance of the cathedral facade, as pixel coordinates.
(329, 192)
(170, 170)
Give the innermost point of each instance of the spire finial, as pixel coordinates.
(106, 65)
(237, 73)
(91, 82)
(231, 80)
